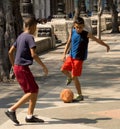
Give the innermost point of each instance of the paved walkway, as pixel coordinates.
(100, 85)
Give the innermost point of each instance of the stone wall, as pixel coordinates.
(43, 44)
(63, 27)
(45, 39)
(60, 29)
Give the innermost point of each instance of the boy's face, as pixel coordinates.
(79, 27)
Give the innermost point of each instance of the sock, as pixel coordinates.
(10, 110)
(29, 116)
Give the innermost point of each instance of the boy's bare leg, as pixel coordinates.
(32, 103)
(77, 85)
(32, 97)
(20, 102)
(67, 73)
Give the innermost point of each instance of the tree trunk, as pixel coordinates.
(114, 13)
(77, 11)
(100, 10)
(10, 27)
(2, 29)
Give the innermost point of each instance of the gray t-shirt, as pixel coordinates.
(23, 44)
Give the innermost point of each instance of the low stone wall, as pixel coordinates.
(60, 29)
(106, 23)
(43, 44)
(63, 27)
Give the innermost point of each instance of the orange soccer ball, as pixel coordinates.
(66, 95)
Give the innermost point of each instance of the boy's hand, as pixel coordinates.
(64, 58)
(45, 70)
(108, 48)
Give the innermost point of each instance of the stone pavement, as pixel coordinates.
(100, 85)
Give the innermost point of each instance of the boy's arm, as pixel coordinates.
(38, 60)
(99, 41)
(67, 47)
(11, 55)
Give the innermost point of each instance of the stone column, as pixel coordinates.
(83, 8)
(53, 7)
(77, 9)
(69, 6)
(89, 4)
(106, 9)
(26, 8)
(60, 10)
(48, 13)
(37, 8)
(95, 7)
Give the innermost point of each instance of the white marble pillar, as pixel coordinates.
(48, 13)
(42, 8)
(45, 8)
(37, 8)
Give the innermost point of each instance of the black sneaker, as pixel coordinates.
(69, 80)
(12, 116)
(78, 98)
(34, 120)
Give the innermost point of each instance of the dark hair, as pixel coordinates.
(29, 21)
(79, 20)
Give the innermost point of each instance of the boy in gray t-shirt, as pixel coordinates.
(25, 53)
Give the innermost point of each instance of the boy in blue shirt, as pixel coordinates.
(77, 45)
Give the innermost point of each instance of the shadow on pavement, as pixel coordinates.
(78, 121)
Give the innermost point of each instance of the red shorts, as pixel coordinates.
(73, 65)
(25, 79)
